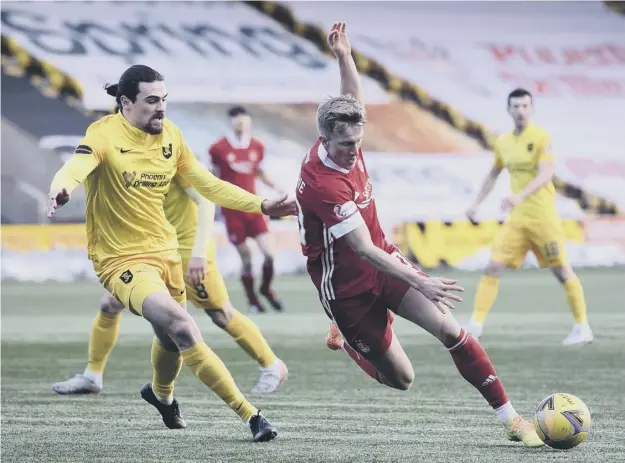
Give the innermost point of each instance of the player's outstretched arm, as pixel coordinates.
(435, 289)
(264, 177)
(487, 187)
(342, 49)
(228, 195)
(75, 170)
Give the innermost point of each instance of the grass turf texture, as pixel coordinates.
(328, 410)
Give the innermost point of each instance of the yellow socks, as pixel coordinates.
(166, 368)
(248, 336)
(104, 333)
(211, 371)
(575, 298)
(484, 298)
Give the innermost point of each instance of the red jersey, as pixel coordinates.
(332, 202)
(237, 161)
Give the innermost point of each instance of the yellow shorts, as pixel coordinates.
(211, 294)
(131, 279)
(546, 240)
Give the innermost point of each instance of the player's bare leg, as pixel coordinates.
(581, 332)
(266, 246)
(485, 296)
(102, 340)
(247, 278)
(273, 371)
(171, 321)
(470, 360)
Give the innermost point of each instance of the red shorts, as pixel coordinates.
(243, 225)
(365, 320)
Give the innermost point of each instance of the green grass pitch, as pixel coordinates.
(328, 410)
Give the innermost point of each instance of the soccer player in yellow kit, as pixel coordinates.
(192, 216)
(127, 162)
(533, 223)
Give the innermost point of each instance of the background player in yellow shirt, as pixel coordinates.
(533, 223)
(192, 216)
(127, 162)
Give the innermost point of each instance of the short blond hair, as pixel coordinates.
(336, 114)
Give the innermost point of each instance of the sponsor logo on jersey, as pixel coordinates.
(129, 177)
(145, 180)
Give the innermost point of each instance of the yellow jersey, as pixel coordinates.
(181, 212)
(127, 173)
(521, 155)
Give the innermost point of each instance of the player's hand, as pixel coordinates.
(338, 41)
(471, 212)
(510, 202)
(439, 291)
(196, 270)
(56, 199)
(279, 207)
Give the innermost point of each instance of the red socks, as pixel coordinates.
(248, 283)
(474, 366)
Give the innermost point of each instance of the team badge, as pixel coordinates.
(231, 157)
(126, 277)
(362, 347)
(129, 177)
(168, 151)
(530, 147)
(253, 156)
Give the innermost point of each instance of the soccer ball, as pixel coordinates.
(562, 421)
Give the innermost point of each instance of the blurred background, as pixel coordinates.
(435, 76)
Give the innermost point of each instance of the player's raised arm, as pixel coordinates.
(86, 157)
(342, 49)
(226, 194)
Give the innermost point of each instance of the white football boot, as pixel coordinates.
(271, 377)
(79, 384)
(580, 334)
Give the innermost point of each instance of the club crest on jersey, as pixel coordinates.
(168, 151)
(253, 156)
(231, 157)
(129, 177)
(530, 147)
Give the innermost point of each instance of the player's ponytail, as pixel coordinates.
(112, 89)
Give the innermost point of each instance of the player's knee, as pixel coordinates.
(494, 269)
(221, 317)
(563, 273)
(109, 305)
(183, 332)
(404, 380)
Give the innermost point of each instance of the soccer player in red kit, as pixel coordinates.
(237, 159)
(361, 278)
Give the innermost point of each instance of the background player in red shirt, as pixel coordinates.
(361, 278)
(237, 159)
